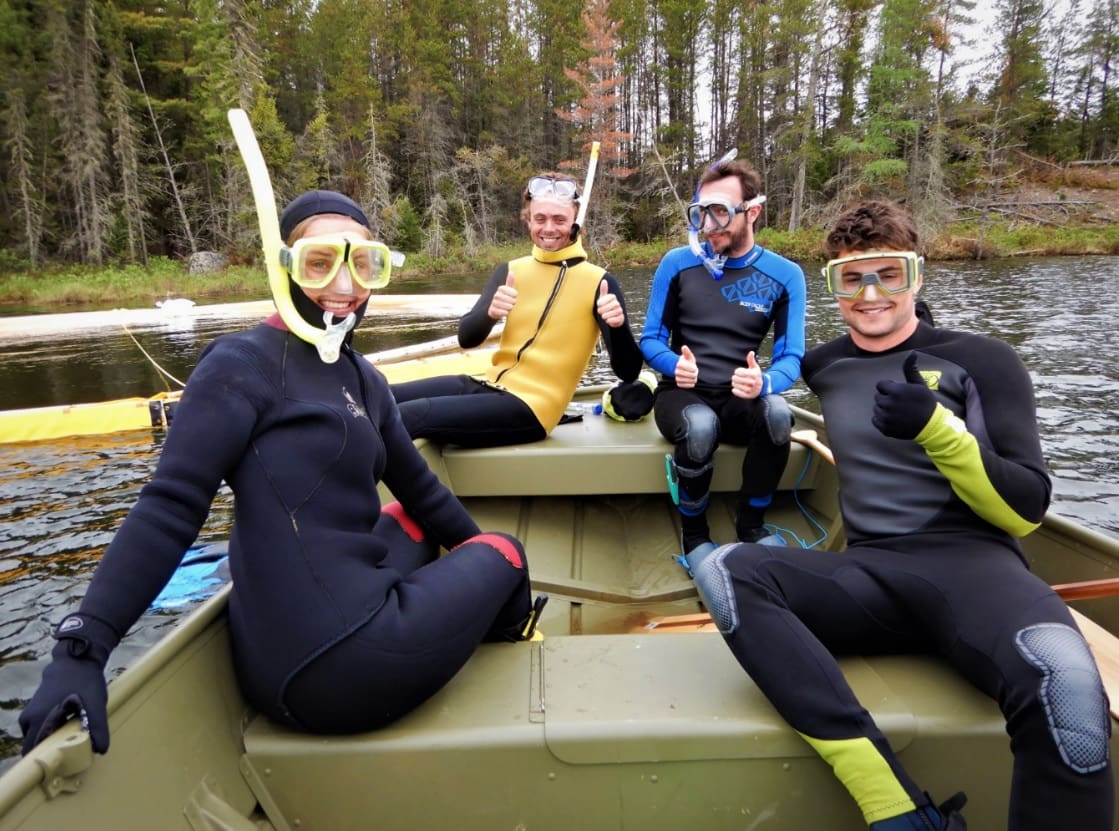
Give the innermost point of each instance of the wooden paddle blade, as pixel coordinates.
(1088, 589)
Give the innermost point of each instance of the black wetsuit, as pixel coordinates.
(342, 618)
(932, 564)
(547, 343)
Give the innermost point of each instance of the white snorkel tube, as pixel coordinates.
(585, 199)
(327, 341)
(714, 262)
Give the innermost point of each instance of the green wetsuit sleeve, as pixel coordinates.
(965, 464)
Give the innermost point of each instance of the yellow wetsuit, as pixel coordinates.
(548, 341)
(549, 337)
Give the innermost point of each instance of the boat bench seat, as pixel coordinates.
(623, 731)
(629, 458)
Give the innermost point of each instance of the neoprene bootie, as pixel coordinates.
(761, 536)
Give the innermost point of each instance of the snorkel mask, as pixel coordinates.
(722, 213)
(295, 308)
(314, 262)
(894, 272)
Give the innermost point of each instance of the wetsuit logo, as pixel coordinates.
(755, 291)
(356, 410)
(932, 378)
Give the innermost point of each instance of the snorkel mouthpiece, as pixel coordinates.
(712, 262)
(330, 344)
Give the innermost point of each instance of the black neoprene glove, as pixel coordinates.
(901, 411)
(73, 683)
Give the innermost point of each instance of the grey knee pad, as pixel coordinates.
(778, 418)
(702, 432)
(1071, 692)
(713, 581)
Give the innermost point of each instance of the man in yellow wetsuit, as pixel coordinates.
(556, 305)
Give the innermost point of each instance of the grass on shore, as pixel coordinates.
(135, 285)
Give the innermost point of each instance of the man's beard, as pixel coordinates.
(735, 241)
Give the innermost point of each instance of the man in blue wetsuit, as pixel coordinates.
(710, 309)
(940, 470)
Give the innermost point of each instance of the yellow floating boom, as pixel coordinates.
(441, 357)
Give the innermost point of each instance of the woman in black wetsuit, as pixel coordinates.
(343, 616)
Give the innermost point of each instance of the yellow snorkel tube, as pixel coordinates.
(327, 341)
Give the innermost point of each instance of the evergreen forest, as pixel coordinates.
(115, 147)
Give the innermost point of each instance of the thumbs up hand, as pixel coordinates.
(503, 299)
(687, 370)
(747, 381)
(902, 410)
(608, 307)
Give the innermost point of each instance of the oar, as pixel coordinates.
(426, 349)
(701, 621)
(1088, 589)
(810, 439)
(1081, 590)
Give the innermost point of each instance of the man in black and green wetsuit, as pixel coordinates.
(940, 469)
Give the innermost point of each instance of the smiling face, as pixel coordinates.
(342, 295)
(877, 321)
(549, 222)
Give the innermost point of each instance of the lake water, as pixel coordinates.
(61, 501)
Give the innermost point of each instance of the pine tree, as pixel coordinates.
(20, 148)
(1022, 83)
(597, 115)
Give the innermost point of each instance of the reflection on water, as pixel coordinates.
(61, 501)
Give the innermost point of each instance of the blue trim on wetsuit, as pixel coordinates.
(722, 320)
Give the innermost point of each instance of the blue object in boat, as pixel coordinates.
(202, 572)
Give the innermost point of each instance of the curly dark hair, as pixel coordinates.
(873, 225)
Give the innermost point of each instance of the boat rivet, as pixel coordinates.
(551, 777)
(786, 766)
(654, 779)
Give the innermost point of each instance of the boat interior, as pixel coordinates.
(630, 713)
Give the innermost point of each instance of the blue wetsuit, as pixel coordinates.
(342, 615)
(721, 320)
(932, 564)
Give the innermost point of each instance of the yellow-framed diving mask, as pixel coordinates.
(314, 262)
(893, 272)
